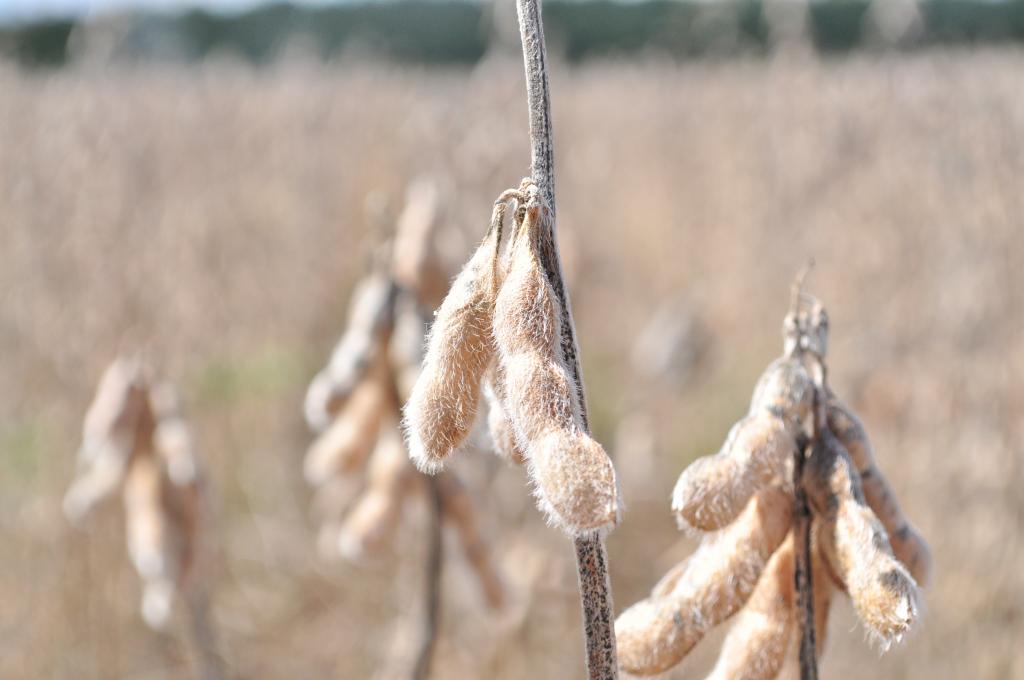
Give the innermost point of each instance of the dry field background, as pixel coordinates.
(219, 217)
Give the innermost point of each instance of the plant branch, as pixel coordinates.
(432, 590)
(802, 564)
(591, 557)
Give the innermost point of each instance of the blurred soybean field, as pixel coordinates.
(459, 32)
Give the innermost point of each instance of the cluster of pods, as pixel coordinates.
(741, 502)
(354, 404)
(498, 336)
(135, 440)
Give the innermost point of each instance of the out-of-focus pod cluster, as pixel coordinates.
(499, 333)
(354, 404)
(135, 440)
(741, 501)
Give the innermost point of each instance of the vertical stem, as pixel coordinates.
(209, 662)
(802, 570)
(591, 558)
(596, 598)
(432, 610)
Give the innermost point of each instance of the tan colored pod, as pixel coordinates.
(756, 646)
(457, 506)
(154, 542)
(855, 544)
(823, 589)
(443, 405)
(656, 634)
(344, 447)
(372, 522)
(574, 480)
(713, 490)
(366, 335)
(117, 419)
(172, 438)
(786, 390)
(415, 263)
(908, 545)
(503, 436)
(667, 583)
(405, 349)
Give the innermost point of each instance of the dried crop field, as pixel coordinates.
(219, 217)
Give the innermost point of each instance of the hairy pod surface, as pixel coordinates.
(499, 427)
(156, 544)
(908, 545)
(443, 404)
(372, 522)
(405, 349)
(657, 633)
(757, 643)
(855, 544)
(786, 390)
(344, 447)
(415, 263)
(821, 580)
(366, 335)
(713, 490)
(573, 478)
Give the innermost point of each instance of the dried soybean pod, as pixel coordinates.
(415, 264)
(503, 436)
(713, 490)
(821, 581)
(405, 349)
(756, 646)
(667, 583)
(655, 634)
(345, 445)
(149, 538)
(574, 481)
(457, 506)
(786, 390)
(110, 434)
(855, 544)
(366, 335)
(372, 521)
(908, 545)
(443, 404)
(172, 437)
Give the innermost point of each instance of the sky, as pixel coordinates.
(31, 9)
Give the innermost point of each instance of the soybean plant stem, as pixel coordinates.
(591, 558)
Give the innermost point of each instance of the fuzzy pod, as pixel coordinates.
(657, 633)
(370, 525)
(366, 335)
(405, 349)
(118, 418)
(152, 544)
(443, 405)
(458, 511)
(172, 437)
(822, 589)
(855, 544)
(499, 427)
(786, 390)
(908, 545)
(757, 643)
(415, 262)
(713, 490)
(574, 480)
(344, 447)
